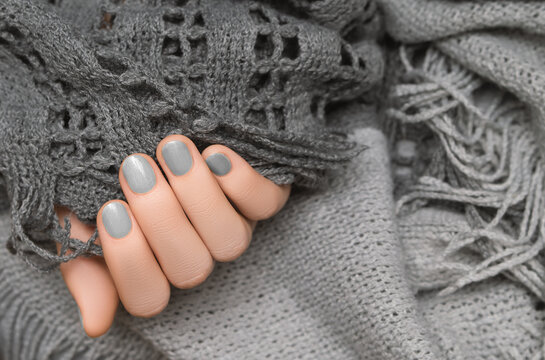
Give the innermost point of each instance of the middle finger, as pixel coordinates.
(184, 258)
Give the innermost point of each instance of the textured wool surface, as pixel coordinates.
(86, 83)
(428, 245)
(307, 287)
(481, 147)
(328, 278)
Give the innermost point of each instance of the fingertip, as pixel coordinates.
(256, 197)
(221, 160)
(155, 305)
(142, 286)
(169, 138)
(177, 156)
(92, 287)
(198, 279)
(97, 321)
(99, 215)
(217, 148)
(233, 249)
(280, 193)
(146, 156)
(118, 222)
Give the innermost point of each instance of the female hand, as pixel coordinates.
(169, 231)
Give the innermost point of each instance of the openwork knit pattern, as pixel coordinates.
(84, 84)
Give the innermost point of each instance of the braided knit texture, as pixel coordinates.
(86, 83)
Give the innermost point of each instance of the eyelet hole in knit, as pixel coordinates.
(290, 49)
(362, 64)
(198, 20)
(279, 119)
(346, 56)
(264, 46)
(65, 119)
(257, 118)
(314, 106)
(199, 50)
(259, 82)
(282, 80)
(172, 46)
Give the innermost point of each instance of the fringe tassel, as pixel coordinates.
(488, 161)
(34, 223)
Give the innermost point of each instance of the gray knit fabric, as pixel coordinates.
(428, 245)
(310, 294)
(85, 83)
(480, 146)
(328, 278)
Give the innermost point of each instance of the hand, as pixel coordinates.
(170, 231)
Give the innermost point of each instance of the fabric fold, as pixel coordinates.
(475, 94)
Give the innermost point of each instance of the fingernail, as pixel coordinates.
(139, 174)
(219, 164)
(177, 157)
(116, 220)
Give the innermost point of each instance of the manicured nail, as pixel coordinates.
(116, 220)
(139, 174)
(219, 164)
(177, 157)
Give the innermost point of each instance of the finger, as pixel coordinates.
(89, 281)
(255, 196)
(224, 231)
(142, 286)
(184, 258)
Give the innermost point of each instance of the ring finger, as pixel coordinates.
(225, 232)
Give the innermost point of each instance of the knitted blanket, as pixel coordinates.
(428, 245)
(86, 83)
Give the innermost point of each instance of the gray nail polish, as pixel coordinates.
(139, 174)
(219, 164)
(177, 157)
(116, 220)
